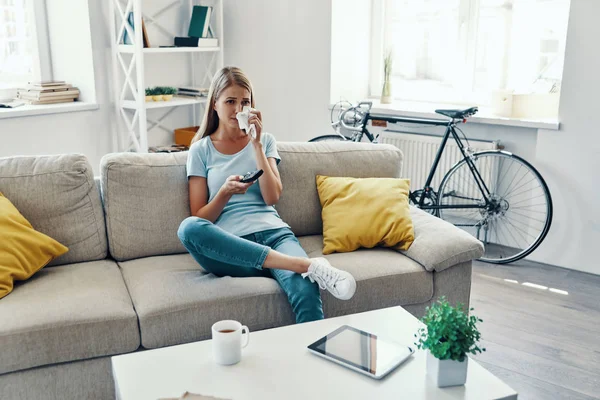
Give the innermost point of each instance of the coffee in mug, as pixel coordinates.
(227, 341)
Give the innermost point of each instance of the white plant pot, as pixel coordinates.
(447, 372)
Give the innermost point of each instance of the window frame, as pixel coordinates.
(42, 62)
(469, 14)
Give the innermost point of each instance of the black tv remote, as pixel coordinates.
(251, 176)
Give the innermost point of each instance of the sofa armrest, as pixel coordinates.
(439, 244)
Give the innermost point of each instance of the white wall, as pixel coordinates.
(284, 48)
(570, 158)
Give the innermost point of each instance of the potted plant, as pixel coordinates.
(157, 93)
(386, 92)
(449, 335)
(168, 92)
(149, 94)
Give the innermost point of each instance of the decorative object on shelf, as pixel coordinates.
(183, 136)
(168, 92)
(48, 92)
(386, 92)
(149, 94)
(448, 336)
(160, 93)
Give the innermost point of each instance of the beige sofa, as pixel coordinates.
(127, 284)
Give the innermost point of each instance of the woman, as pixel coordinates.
(234, 229)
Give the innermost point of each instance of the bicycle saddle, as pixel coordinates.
(458, 114)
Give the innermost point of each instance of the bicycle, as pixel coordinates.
(507, 206)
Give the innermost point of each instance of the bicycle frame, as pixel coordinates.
(450, 131)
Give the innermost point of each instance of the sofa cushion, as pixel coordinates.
(364, 212)
(65, 313)
(177, 301)
(382, 278)
(299, 204)
(134, 187)
(57, 195)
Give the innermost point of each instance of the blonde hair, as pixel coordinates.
(226, 77)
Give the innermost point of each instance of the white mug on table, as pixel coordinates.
(227, 341)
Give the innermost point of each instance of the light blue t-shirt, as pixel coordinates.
(244, 213)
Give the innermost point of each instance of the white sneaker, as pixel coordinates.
(339, 283)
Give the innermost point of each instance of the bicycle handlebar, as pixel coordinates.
(357, 110)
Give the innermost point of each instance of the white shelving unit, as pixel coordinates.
(129, 61)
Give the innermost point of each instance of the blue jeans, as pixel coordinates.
(225, 254)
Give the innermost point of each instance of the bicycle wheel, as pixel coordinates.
(519, 213)
(330, 138)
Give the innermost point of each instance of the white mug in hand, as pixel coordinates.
(227, 341)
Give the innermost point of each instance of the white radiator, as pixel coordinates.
(419, 153)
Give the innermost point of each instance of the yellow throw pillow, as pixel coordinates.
(23, 250)
(364, 212)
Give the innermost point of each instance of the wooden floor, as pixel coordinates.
(545, 345)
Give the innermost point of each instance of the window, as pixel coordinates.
(23, 57)
(460, 51)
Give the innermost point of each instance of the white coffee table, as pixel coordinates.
(277, 365)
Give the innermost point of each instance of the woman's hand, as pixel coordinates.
(256, 119)
(233, 185)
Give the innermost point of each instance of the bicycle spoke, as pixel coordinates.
(527, 216)
(529, 199)
(509, 188)
(517, 194)
(512, 224)
(518, 228)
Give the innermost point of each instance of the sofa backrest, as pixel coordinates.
(146, 195)
(299, 204)
(145, 199)
(58, 196)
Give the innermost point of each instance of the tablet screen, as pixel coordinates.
(360, 349)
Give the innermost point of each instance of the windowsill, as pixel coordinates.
(484, 116)
(29, 110)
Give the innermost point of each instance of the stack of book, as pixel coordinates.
(48, 92)
(192, 92)
(199, 33)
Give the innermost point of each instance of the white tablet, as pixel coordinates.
(361, 351)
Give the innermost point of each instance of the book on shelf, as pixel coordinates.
(47, 84)
(130, 21)
(200, 21)
(55, 101)
(36, 95)
(47, 89)
(192, 92)
(195, 42)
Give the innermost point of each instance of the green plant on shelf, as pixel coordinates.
(160, 93)
(169, 90)
(151, 91)
(450, 333)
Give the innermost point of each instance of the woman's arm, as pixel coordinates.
(270, 181)
(199, 205)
